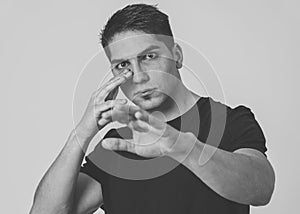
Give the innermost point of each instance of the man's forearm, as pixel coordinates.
(237, 177)
(54, 193)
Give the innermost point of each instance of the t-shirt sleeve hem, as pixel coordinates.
(262, 150)
(90, 169)
(245, 131)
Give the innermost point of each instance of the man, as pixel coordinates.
(145, 63)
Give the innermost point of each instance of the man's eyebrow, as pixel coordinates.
(151, 47)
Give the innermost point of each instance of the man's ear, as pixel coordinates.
(178, 55)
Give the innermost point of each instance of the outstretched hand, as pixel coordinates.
(151, 136)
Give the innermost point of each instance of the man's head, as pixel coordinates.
(137, 17)
(138, 37)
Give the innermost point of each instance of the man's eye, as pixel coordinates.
(121, 65)
(149, 56)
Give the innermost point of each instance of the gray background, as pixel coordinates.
(44, 45)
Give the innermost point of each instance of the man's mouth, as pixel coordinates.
(144, 92)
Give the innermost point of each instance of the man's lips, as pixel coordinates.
(144, 92)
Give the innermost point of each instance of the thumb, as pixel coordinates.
(118, 144)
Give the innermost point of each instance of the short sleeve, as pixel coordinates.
(90, 166)
(92, 170)
(245, 131)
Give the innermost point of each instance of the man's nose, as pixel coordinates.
(139, 74)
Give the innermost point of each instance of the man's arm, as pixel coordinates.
(63, 189)
(244, 176)
(88, 197)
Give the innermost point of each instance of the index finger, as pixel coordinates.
(149, 118)
(113, 83)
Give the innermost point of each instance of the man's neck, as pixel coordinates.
(180, 101)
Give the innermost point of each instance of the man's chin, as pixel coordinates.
(148, 104)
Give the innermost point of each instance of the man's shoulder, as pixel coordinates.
(212, 107)
(210, 104)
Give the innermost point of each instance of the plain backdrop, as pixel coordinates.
(44, 46)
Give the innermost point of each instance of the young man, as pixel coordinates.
(163, 125)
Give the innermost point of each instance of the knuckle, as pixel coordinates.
(109, 104)
(104, 114)
(115, 103)
(101, 107)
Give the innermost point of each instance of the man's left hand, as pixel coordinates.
(151, 136)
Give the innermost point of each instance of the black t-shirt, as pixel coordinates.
(179, 190)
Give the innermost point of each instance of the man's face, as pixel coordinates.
(152, 64)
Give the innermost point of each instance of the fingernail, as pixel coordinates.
(128, 72)
(138, 114)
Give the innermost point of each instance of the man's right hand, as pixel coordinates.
(101, 100)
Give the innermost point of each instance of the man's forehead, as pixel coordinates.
(131, 44)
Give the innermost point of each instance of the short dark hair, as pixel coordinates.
(137, 17)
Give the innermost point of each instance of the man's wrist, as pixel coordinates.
(183, 146)
(85, 133)
(81, 137)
